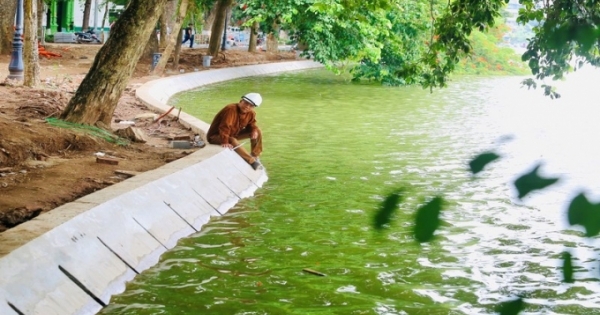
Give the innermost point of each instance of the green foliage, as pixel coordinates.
(479, 162)
(567, 267)
(397, 62)
(395, 42)
(512, 307)
(452, 30)
(400, 42)
(488, 57)
(567, 39)
(532, 181)
(427, 219)
(120, 2)
(582, 212)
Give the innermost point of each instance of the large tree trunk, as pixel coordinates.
(167, 25)
(164, 34)
(160, 67)
(209, 18)
(218, 27)
(151, 46)
(87, 8)
(177, 50)
(96, 98)
(30, 48)
(272, 39)
(7, 23)
(272, 44)
(253, 37)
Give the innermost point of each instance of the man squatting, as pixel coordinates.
(235, 122)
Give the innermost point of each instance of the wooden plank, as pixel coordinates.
(127, 173)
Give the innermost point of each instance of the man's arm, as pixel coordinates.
(228, 115)
(253, 127)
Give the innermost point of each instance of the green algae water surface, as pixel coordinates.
(334, 150)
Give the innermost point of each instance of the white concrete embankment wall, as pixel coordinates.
(72, 259)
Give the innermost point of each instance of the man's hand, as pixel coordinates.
(254, 135)
(227, 145)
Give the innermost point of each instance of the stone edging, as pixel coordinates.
(73, 259)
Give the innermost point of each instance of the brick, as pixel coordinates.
(184, 137)
(107, 161)
(181, 144)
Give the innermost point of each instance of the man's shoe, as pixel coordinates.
(256, 165)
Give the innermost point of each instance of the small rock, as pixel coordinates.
(133, 134)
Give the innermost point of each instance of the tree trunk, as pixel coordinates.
(169, 21)
(164, 35)
(272, 39)
(272, 44)
(30, 48)
(218, 27)
(40, 21)
(7, 23)
(96, 98)
(103, 22)
(253, 36)
(151, 46)
(87, 8)
(160, 67)
(177, 50)
(209, 18)
(171, 9)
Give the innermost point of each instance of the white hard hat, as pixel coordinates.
(253, 98)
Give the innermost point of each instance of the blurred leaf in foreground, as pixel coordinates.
(387, 209)
(511, 307)
(532, 181)
(479, 162)
(567, 268)
(582, 212)
(428, 219)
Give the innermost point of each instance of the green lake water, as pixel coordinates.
(334, 150)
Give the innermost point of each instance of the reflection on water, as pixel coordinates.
(333, 151)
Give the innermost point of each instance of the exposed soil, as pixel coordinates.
(43, 166)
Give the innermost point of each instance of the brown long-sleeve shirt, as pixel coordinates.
(230, 121)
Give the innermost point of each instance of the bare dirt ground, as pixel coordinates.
(43, 166)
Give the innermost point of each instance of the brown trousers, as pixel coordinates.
(255, 144)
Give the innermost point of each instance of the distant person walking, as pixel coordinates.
(189, 35)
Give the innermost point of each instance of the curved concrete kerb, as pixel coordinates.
(157, 93)
(73, 259)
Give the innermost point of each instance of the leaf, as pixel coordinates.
(578, 209)
(479, 162)
(532, 181)
(387, 209)
(511, 307)
(582, 212)
(567, 268)
(427, 219)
